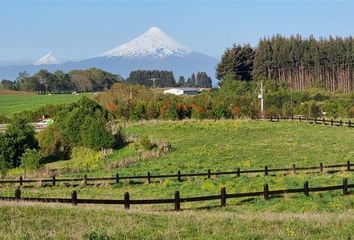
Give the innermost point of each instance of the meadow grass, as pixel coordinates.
(198, 146)
(13, 103)
(39, 221)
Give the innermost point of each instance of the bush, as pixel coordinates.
(18, 137)
(30, 159)
(52, 143)
(96, 236)
(314, 109)
(94, 134)
(85, 158)
(4, 119)
(147, 144)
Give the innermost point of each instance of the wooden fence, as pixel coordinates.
(177, 200)
(329, 122)
(179, 176)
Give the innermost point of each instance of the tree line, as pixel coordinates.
(92, 79)
(299, 62)
(163, 79)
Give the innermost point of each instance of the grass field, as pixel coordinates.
(13, 102)
(37, 221)
(198, 146)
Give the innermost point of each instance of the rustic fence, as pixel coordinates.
(321, 168)
(177, 200)
(329, 122)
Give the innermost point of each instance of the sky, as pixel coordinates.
(80, 29)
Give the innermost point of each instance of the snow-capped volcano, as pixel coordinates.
(48, 59)
(153, 50)
(153, 43)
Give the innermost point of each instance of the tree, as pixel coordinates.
(238, 61)
(148, 78)
(95, 135)
(181, 82)
(203, 80)
(18, 137)
(73, 116)
(52, 143)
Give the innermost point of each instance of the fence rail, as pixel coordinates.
(179, 176)
(177, 200)
(331, 122)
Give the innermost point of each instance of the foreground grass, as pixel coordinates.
(38, 221)
(10, 103)
(198, 146)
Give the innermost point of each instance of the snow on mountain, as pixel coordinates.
(48, 59)
(153, 43)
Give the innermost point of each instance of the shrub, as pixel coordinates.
(314, 109)
(52, 143)
(147, 144)
(94, 134)
(83, 157)
(18, 137)
(96, 236)
(30, 159)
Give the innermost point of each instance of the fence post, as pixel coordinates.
(315, 120)
(53, 180)
(126, 201)
(348, 165)
(149, 177)
(321, 167)
(299, 118)
(223, 197)
(18, 194)
(117, 178)
(306, 188)
(341, 122)
(345, 186)
(74, 198)
(292, 117)
(209, 173)
(278, 118)
(294, 169)
(177, 201)
(265, 170)
(271, 118)
(85, 180)
(323, 121)
(266, 191)
(349, 123)
(179, 176)
(238, 172)
(331, 121)
(21, 181)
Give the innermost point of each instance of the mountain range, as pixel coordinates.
(153, 50)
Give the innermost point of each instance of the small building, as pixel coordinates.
(182, 91)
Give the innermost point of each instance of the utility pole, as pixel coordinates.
(261, 96)
(154, 80)
(154, 85)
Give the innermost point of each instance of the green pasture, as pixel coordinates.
(197, 147)
(10, 104)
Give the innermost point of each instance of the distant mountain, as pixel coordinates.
(48, 59)
(153, 50)
(152, 44)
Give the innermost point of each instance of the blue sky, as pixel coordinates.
(79, 29)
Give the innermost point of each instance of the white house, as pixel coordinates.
(182, 91)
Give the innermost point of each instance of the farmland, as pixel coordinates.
(242, 143)
(13, 102)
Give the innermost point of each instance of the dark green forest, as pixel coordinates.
(299, 62)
